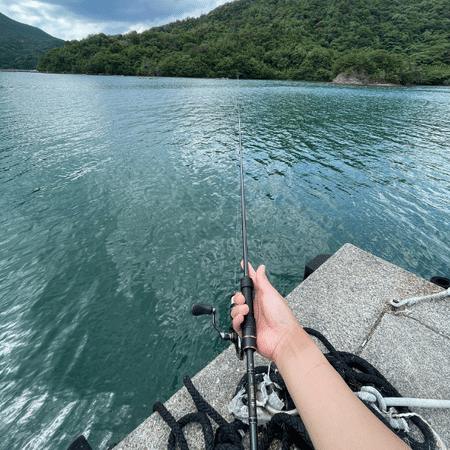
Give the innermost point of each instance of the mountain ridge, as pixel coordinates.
(21, 45)
(396, 41)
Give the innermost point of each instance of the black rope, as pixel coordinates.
(287, 429)
(203, 406)
(227, 435)
(357, 372)
(177, 433)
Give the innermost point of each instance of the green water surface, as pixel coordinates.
(119, 208)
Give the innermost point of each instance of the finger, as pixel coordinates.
(259, 276)
(239, 310)
(237, 322)
(238, 299)
(251, 271)
(260, 279)
(238, 315)
(232, 305)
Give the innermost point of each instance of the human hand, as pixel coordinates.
(275, 321)
(319, 392)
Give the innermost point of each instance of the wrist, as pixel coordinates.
(297, 347)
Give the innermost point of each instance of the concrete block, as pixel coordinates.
(345, 296)
(416, 361)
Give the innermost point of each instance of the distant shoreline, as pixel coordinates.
(19, 70)
(340, 80)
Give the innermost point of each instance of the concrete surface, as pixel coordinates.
(347, 300)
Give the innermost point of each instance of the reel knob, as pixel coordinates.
(200, 310)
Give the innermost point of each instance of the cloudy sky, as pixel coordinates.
(76, 19)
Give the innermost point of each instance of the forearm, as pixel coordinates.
(334, 417)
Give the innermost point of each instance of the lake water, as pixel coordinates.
(119, 208)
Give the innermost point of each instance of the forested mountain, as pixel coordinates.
(21, 45)
(400, 41)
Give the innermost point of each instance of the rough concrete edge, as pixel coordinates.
(399, 363)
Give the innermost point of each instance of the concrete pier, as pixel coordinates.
(347, 300)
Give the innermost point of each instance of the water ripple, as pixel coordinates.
(120, 207)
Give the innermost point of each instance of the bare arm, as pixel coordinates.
(334, 417)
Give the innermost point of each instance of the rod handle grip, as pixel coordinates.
(249, 325)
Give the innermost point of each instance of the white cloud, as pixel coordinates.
(207, 7)
(59, 22)
(53, 19)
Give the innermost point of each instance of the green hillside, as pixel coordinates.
(21, 45)
(399, 41)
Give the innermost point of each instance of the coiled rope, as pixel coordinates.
(288, 429)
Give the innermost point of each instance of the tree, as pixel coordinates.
(275, 39)
(316, 66)
(436, 74)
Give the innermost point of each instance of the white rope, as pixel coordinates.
(410, 301)
(371, 395)
(417, 402)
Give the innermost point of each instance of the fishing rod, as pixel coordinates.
(247, 344)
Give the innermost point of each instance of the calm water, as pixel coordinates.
(119, 208)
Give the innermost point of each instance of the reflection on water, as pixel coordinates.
(120, 208)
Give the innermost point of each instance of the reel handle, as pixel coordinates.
(199, 310)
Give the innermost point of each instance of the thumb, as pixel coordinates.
(260, 279)
(258, 276)
(251, 270)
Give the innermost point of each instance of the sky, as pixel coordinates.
(76, 19)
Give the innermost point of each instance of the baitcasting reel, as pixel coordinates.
(232, 336)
